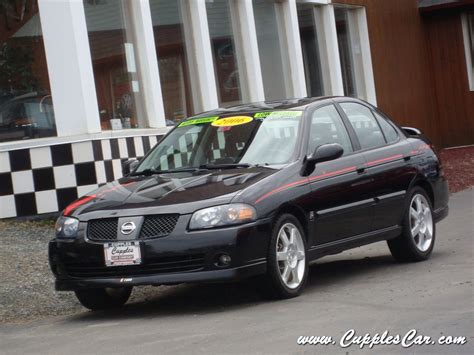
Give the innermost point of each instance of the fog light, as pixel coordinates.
(224, 260)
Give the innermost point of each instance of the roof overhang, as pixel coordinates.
(426, 6)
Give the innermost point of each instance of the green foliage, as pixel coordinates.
(16, 61)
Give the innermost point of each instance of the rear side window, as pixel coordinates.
(390, 133)
(364, 123)
(327, 127)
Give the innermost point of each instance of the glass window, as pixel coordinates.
(469, 43)
(364, 123)
(260, 139)
(327, 127)
(173, 61)
(269, 49)
(112, 44)
(349, 52)
(310, 49)
(26, 108)
(224, 52)
(389, 131)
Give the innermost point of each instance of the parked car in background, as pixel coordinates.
(27, 116)
(253, 190)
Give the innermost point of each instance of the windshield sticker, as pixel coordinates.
(277, 114)
(232, 121)
(199, 120)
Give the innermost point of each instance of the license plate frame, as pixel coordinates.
(122, 254)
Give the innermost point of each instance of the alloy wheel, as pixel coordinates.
(290, 255)
(421, 222)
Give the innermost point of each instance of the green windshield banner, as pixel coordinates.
(277, 114)
(199, 120)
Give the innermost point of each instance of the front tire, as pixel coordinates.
(419, 230)
(287, 269)
(103, 298)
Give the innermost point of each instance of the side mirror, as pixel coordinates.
(412, 131)
(322, 153)
(129, 166)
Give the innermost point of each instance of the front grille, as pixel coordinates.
(174, 264)
(158, 225)
(153, 227)
(102, 229)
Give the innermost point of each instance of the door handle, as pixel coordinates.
(407, 157)
(361, 169)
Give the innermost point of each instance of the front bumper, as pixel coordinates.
(164, 279)
(180, 257)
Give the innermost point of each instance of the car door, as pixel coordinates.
(386, 156)
(340, 194)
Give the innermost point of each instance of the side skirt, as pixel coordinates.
(338, 246)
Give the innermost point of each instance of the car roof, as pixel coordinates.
(295, 104)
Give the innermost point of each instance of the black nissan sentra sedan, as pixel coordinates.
(257, 190)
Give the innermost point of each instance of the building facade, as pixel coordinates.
(85, 85)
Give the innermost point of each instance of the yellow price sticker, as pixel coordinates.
(232, 121)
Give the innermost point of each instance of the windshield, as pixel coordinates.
(258, 138)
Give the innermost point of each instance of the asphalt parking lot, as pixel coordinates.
(363, 289)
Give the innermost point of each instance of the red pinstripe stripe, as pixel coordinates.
(333, 173)
(281, 188)
(88, 198)
(384, 160)
(300, 182)
(78, 203)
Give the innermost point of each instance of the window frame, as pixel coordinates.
(357, 25)
(467, 48)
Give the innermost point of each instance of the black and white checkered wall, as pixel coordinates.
(46, 179)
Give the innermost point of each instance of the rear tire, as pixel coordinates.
(287, 264)
(419, 230)
(103, 298)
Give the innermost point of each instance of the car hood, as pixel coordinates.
(167, 193)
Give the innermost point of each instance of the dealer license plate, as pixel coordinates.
(123, 253)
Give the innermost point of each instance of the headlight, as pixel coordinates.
(66, 227)
(222, 216)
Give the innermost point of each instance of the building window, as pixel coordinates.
(349, 48)
(354, 53)
(468, 31)
(112, 45)
(224, 52)
(26, 108)
(310, 48)
(173, 63)
(269, 49)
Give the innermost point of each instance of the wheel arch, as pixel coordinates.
(425, 185)
(297, 212)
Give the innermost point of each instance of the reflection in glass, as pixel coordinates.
(224, 52)
(310, 49)
(269, 49)
(173, 62)
(203, 143)
(112, 44)
(26, 108)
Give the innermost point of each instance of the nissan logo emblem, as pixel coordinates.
(128, 227)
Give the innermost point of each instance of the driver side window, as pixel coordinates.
(327, 127)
